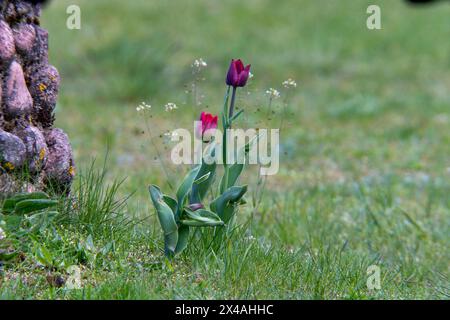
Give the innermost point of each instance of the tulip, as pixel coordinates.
(237, 77)
(196, 206)
(207, 122)
(238, 74)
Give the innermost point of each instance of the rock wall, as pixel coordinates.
(33, 154)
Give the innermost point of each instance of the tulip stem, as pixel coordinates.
(225, 121)
(233, 100)
(225, 108)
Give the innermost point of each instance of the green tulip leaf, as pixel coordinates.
(186, 187)
(236, 115)
(234, 173)
(225, 204)
(235, 170)
(201, 218)
(171, 202)
(200, 224)
(166, 219)
(183, 238)
(202, 178)
(205, 176)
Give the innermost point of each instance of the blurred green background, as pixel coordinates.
(366, 147)
(368, 102)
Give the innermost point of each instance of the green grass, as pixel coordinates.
(365, 173)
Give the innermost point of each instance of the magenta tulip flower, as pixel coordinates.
(238, 74)
(207, 122)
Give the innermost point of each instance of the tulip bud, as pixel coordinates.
(207, 122)
(238, 74)
(196, 206)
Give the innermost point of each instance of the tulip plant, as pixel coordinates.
(177, 215)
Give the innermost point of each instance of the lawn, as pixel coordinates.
(365, 167)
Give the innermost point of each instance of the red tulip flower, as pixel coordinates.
(238, 74)
(207, 122)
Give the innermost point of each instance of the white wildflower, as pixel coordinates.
(2, 234)
(290, 83)
(250, 75)
(143, 106)
(170, 106)
(273, 93)
(199, 63)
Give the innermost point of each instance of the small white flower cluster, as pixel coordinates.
(170, 106)
(273, 93)
(143, 106)
(199, 63)
(290, 83)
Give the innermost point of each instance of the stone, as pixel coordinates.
(24, 9)
(29, 88)
(36, 147)
(24, 37)
(39, 54)
(7, 49)
(18, 101)
(44, 87)
(60, 168)
(12, 151)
